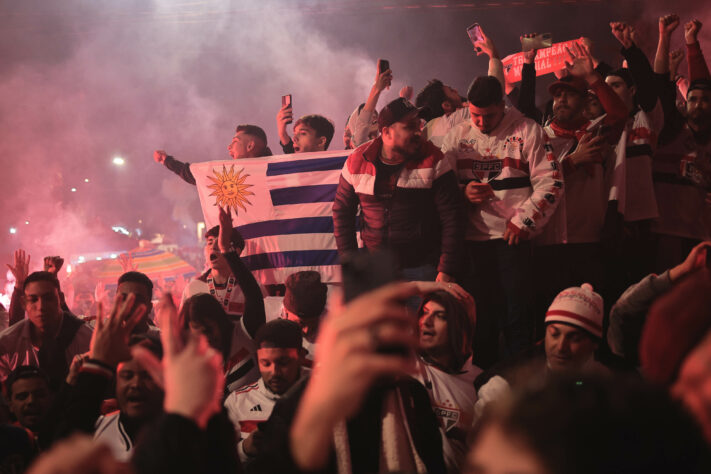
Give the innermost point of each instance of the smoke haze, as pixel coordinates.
(82, 82)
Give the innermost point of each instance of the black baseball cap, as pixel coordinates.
(396, 111)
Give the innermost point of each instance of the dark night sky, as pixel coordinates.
(84, 81)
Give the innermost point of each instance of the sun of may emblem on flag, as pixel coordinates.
(229, 188)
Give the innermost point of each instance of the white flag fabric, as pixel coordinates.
(283, 210)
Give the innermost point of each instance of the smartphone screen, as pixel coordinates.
(474, 32)
(286, 101)
(383, 65)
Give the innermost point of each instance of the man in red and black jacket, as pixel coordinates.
(408, 195)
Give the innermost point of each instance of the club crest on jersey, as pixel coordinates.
(487, 169)
(448, 416)
(514, 143)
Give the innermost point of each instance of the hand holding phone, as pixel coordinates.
(286, 103)
(475, 35)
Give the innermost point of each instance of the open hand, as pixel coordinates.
(21, 268)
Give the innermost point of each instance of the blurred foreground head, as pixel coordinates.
(587, 425)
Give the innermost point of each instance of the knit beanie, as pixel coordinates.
(578, 306)
(676, 323)
(305, 294)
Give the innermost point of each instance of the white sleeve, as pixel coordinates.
(495, 389)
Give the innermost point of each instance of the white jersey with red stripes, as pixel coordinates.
(453, 397)
(253, 404)
(516, 160)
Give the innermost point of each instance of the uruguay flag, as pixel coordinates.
(283, 207)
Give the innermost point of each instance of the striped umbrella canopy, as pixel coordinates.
(157, 264)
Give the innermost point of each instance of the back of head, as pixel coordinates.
(41, 276)
(600, 425)
(202, 308)
(279, 334)
(676, 323)
(258, 134)
(305, 294)
(431, 97)
(323, 126)
(485, 91)
(140, 278)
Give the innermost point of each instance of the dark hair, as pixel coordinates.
(258, 133)
(236, 238)
(460, 328)
(202, 308)
(595, 424)
(23, 372)
(149, 341)
(140, 278)
(252, 130)
(279, 333)
(322, 126)
(485, 91)
(431, 97)
(41, 276)
(624, 74)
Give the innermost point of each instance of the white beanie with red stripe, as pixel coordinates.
(578, 306)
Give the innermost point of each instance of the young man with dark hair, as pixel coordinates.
(49, 338)
(218, 280)
(311, 132)
(30, 399)
(512, 185)
(445, 368)
(249, 141)
(408, 198)
(237, 294)
(443, 110)
(304, 303)
(140, 285)
(139, 398)
(280, 356)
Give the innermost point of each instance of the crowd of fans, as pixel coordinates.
(557, 262)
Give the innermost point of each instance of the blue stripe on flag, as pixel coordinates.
(304, 225)
(294, 258)
(303, 194)
(303, 166)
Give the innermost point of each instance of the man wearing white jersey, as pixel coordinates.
(279, 355)
(512, 184)
(445, 368)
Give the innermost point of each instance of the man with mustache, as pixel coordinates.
(408, 197)
(569, 251)
(280, 355)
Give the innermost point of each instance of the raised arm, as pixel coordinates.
(698, 69)
(496, 67)
(667, 25)
(638, 64)
(527, 98)
(254, 315)
(177, 167)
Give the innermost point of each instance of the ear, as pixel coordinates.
(322, 142)
(251, 145)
